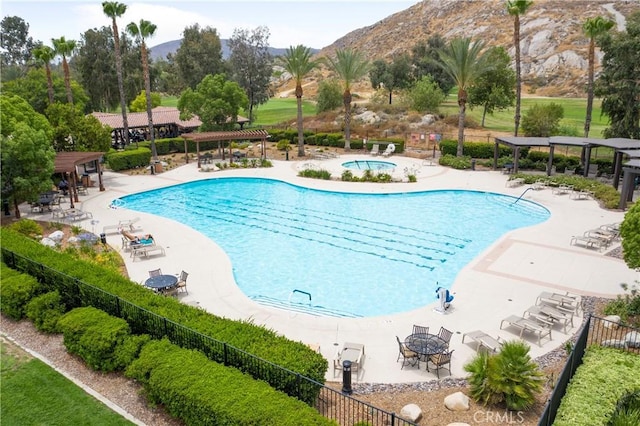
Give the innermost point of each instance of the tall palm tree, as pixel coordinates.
(141, 32)
(464, 61)
(46, 54)
(350, 65)
(593, 28)
(297, 62)
(515, 9)
(65, 48)
(115, 10)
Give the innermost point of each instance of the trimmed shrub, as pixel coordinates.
(315, 174)
(193, 388)
(45, 310)
(460, 163)
(129, 159)
(16, 290)
(95, 336)
(27, 227)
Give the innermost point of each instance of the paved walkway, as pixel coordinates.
(505, 279)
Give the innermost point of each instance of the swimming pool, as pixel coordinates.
(351, 254)
(369, 165)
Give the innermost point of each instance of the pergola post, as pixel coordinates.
(587, 159)
(552, 148)
(496, 150)
(617, 166)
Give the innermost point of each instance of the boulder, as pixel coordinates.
(457, 402)
(612, 321)
(56, 236)
(411, 412)
(367, 117)
(614, 343)
(47, 242)
(632, 339)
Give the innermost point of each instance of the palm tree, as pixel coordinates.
(46, 54)
(464, 61)
(141, 32)
(65, 48)
(297, 62)
(515, 9)
(593, 28)
(350, 65)
(114, 10)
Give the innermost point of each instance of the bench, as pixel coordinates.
(145, 251)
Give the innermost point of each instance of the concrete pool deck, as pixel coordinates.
(503, 280)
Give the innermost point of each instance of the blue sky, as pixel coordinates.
(313, 23)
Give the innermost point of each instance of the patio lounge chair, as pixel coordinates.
(483, 340)
(535, 326)
(408, 356)
(391, 148)
(565, 302)
(587, 242)
(550, 314)
(375, 149)
(121, 224)
(350, 352)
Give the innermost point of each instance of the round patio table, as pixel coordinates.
(425, 344)
(161, 282)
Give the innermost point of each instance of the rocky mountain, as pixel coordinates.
(553, 45)
(162, 50)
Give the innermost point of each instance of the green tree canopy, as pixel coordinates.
(16, 46)
(619, 81)
(252, 64)
(199, 55)
(216, 101)
(630, 233)
(494, 89)
(27, 157)
(33, 88)
(542, 120)
(329, 95)
(426, 95)
(74, 131)
(139, 104)
(391, 76)
(425, 60)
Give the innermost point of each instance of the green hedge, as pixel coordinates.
(45, 310)
(254, 339)
(604, 377)
(16, 290)
(97, 338)
(478, 149)
(201, 392)
(129, 159)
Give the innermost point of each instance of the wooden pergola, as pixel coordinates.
(236, 135)
(66, 163)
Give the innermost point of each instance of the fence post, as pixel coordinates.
(225, 354)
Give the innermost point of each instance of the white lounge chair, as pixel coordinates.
(534, 326)
(375, 149)
(550, 314)
(128, 223)
(483, 340)
(391, 148)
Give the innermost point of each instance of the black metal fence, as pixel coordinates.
(595, 331)
(332, 404)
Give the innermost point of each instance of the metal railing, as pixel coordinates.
(595, 331)
(330, 403)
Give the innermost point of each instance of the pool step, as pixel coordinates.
(306, 308)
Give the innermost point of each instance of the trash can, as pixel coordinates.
(346, 377)
(86, 180)
(103, 238)
(473, 164)
(158, 167)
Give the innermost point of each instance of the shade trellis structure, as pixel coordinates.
(223, 136)
(66, 163)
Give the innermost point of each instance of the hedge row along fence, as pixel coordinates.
(251, 348)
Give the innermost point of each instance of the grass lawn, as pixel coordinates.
(574, 113)
(32, 393)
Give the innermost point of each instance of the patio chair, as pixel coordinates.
(565, 302)
(445, 335)
(418, 329)
(408, 356)
(441, 360)
(550, 314)
(483, 340)
(155, 273)
(182, 282)
(375, 149)
(353, 352)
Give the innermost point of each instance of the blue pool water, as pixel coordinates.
(351, 254)
(369, 165)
